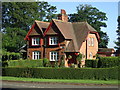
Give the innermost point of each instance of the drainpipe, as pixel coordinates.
(86, 49)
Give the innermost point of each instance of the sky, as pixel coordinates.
(110, 8)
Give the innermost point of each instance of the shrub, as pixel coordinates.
(105, 62)
(25, 63)
(91, 63)
(46, 62)
(64, 73)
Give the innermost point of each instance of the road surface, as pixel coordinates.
(19, 84)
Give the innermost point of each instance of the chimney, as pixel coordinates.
(63, 16)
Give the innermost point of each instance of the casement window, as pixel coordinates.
(54, 56)
(90, 41)
(35, 41)
(36, 55)
(53, 40)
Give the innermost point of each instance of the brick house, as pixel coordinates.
(59, 38)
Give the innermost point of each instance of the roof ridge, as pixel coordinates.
(60, 20)
(41, 21)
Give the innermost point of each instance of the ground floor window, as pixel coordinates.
(36, 55)
(54, 56)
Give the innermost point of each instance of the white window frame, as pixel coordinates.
(35, 41)
(53, 40)
(92, 41)
(36, 55)
(54, 56)
(89, 42)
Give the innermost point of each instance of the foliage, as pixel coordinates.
(63, 73)
(25, 63)
(69, 57)
(103, 62)
(10, 55)
(13, 39)
(94, 17)
(62, 61)
(22, 14)
(46, 62)
(118, 39)
(17, 17)
(91, 63)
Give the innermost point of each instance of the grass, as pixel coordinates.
(114, 82)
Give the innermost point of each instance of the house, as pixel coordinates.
(106, 52)
(59, 38)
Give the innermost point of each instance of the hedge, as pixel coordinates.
(25, 63)
(91, 63)
(103, 62)
(63, 73)
(108, 62)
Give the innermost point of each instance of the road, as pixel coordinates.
(20, 84)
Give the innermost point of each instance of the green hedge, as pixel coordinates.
(63, 73)
(108, 62)
(91, 63)
(103, 62)
(25, 63)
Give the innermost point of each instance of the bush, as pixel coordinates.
(25, 63)
(91, 63)
(64, 73)
(46, 62)
(105, 62)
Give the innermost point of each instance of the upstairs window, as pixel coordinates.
(53, 40)
(36, 55)
(35, 41)
(90, 41)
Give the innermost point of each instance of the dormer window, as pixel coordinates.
(53, 40)
(35, 41)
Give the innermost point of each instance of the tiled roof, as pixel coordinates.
(42, 25)
(77, 32)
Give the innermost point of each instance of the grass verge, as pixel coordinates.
(114, 82)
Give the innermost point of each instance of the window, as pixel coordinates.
(35, 41)
(91, 55)
(53, 41)
(36, 55)
(90, 41)
(54, 56)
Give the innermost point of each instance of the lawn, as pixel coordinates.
(115, 82)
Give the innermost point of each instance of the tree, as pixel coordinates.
(95, 18)
(22, 14)
(13, 39)
(118, 39)
(17, 17)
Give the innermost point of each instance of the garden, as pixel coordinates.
(103, 68)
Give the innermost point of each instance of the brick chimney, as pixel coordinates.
(63, 16)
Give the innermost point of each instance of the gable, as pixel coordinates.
(35, 31)
(52, 30)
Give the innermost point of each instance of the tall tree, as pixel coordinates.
(22, 14)
(13, 39)
(94, 17)
(118, 39)
(17, 17)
